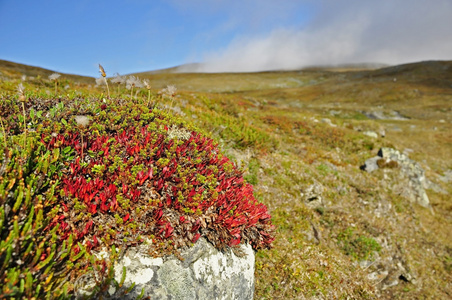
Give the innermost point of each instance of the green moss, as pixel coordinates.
(253, 169)
(359, 247)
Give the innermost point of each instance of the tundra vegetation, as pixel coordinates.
(84, 167)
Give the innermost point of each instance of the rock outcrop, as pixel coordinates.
(204, 273)
(312, 195)
(409, 169)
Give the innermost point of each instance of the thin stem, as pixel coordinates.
(81, 134)
(108, 89)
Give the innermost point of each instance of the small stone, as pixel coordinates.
(372, 134)
(328, 121)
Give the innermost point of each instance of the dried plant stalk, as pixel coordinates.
(104, 75)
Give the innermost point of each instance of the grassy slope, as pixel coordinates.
(13, 70)
(268, 123)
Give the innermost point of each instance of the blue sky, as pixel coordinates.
(248, 35)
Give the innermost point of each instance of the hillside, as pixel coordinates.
(10, 70)
(301, 138)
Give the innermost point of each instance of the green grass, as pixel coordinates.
(359, 247)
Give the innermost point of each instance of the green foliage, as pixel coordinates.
(253, 169)
(24, 250)
(237, 131)
(359, 247)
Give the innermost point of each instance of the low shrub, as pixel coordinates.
(132, 175)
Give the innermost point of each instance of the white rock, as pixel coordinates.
(372, 134)
(328, 121)
(205, 273)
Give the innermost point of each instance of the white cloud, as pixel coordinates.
(385, 31)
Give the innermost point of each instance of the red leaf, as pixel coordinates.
(168, 230)
(159, 214)
(89, 245)
(234, 242)
(76, 250)
(103, 207)
(114, 205)
(142, 176)
(135, 194)
(126, 217)
(196, 226)
(196, 237)
(124, 188)
(88, 226)
(92, 209)
(64, 225)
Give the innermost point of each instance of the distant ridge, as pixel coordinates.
(429, 67)
(13, 69)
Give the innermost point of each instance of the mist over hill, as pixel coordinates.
(204, 68)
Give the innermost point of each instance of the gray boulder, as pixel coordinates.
(204, 273)
(417, 182)
(413, 171)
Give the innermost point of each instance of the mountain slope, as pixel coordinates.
(16, 70)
